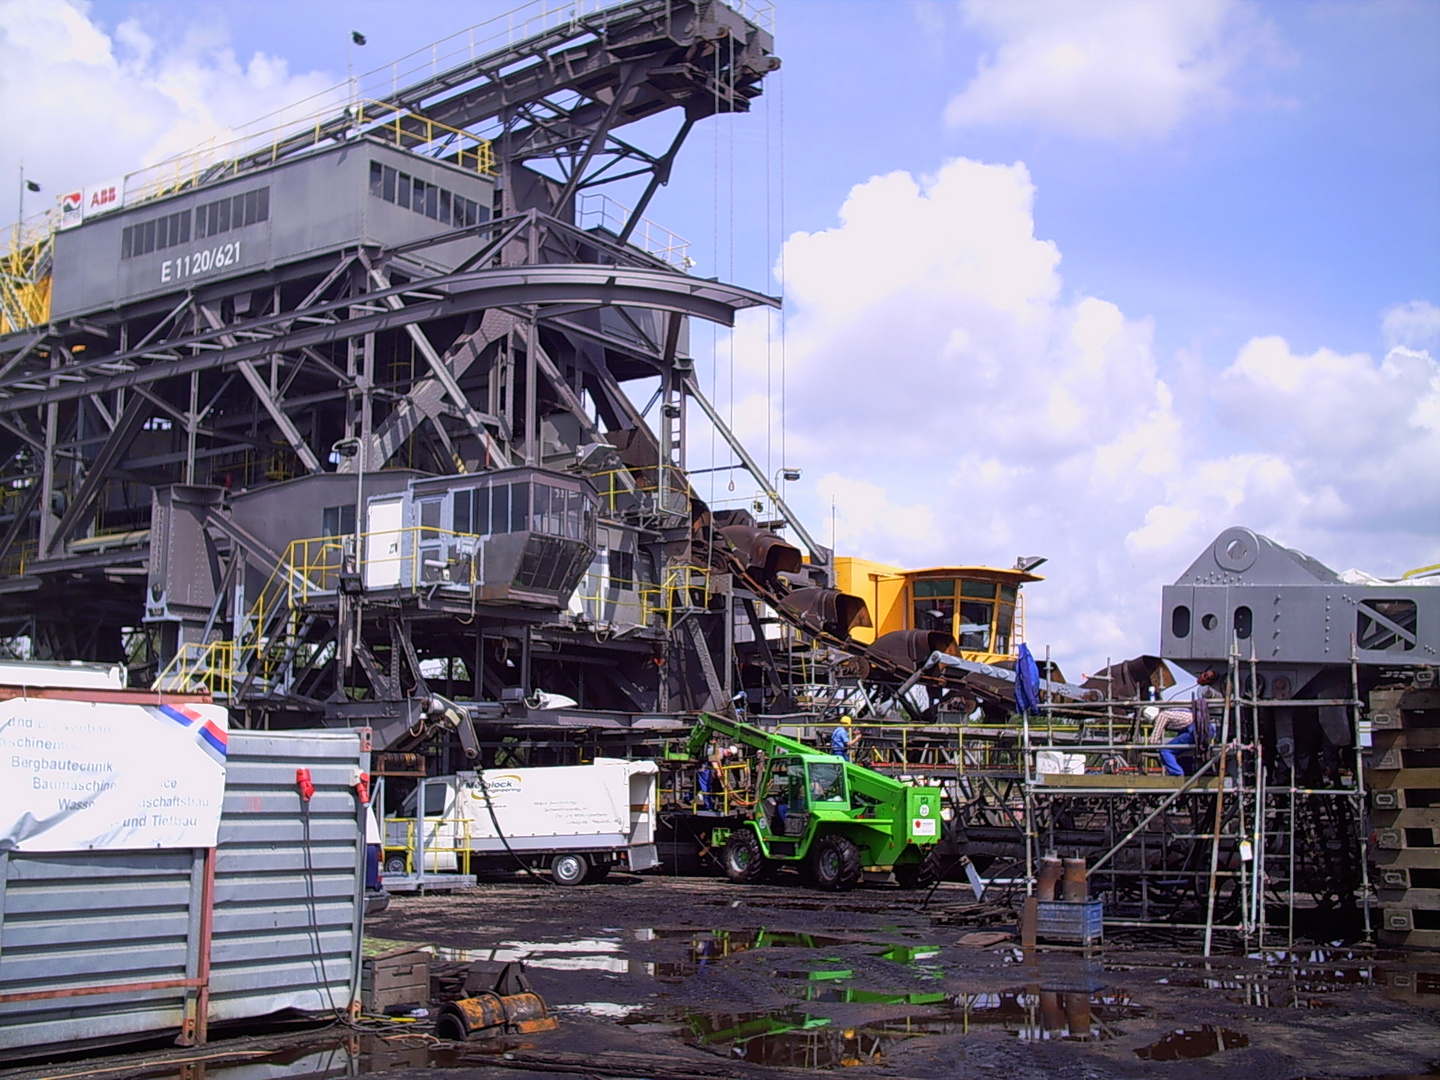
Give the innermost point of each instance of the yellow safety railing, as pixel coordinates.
(459, 846)
(310, 568)
(25, 273)
(644, 482)
(216, 664)
(732, 796)
(215, 160)
(409, 130)
(682, 588)
(19, 558)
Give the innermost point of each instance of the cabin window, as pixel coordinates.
(622, 570)
(1004, 626)
(827, 782)
(935, 613)
(338, 520)
(975, 619)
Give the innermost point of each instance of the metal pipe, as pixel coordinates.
(207, 933)
(108, 988)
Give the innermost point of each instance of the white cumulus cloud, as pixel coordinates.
(1415, 325)
(79, 105)
(1108, 69)
(953, 405)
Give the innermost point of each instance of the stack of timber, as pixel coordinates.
(1403, 776)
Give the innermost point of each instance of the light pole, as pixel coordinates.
(786, 473)
(349, 447)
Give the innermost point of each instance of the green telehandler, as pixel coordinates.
(819, 812)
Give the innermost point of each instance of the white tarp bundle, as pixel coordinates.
(84, 775)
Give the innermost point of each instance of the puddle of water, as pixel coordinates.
(908, 954)
(1428, 1074)
(1303, 978)
(800, 905)
(582, 954)
(785, 1037)
(795, 1037)
(601, 1010)
(817, 975)
(326, 1057)
(1186, 1043)
(707, 947)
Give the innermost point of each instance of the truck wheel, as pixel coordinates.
(599, 871)
(744, 861)
(836, 863)
(395, 864)
(569, 869)
(919, 875)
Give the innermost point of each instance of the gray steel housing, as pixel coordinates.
(287, 914)
(319, 203)
(1292, 610)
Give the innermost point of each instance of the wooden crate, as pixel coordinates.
(394, 980)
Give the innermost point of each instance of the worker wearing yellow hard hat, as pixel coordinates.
(841, 738)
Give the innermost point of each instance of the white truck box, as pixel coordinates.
(604, 811)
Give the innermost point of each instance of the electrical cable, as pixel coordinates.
(312, 906)
(495, 820)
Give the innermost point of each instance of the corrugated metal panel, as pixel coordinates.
(287, 917)
(89, 919)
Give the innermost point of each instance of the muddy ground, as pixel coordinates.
(689, 977)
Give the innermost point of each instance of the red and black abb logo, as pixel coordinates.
(103, 197)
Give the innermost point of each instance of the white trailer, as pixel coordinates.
(577, 821)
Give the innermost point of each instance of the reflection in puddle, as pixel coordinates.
(706, 947)
(909, 954)
(1297, 980)
(582, 954)
(1185, 1043)
(327, 1057)
(800, 905)
(796, 1037)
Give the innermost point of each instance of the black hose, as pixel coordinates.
(494, 820)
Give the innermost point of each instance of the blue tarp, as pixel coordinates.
(1027, 681)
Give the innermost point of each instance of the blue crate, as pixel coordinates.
(1076, 924)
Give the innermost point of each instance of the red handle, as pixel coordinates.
(302, 780)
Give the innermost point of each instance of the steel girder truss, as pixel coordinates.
(255, 378)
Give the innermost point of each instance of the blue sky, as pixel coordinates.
(1093, 280)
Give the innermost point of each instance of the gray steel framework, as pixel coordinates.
(524, 354)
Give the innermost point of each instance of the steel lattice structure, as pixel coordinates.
(494, 337)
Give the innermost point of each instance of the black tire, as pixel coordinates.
(599, 871)
(395, 864)
(569, 868)
(745, 863)
(919, 875)
(835, 863)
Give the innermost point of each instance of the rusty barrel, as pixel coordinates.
(1074, 888)
(487, 1016)
(1049, 878)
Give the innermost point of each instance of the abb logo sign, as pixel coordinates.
(102, 198)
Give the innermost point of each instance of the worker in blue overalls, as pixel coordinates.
(1182, 762)
(841, 738)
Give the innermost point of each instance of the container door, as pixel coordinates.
(382, 543)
